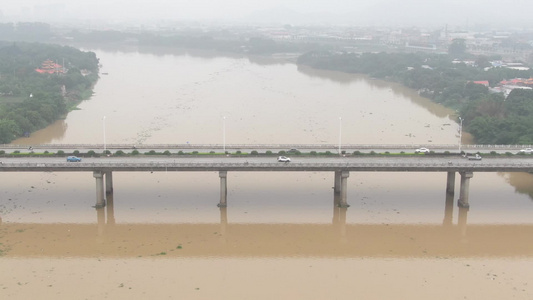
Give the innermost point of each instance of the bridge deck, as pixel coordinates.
(251, 164)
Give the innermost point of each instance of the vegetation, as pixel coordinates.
(29, 100)
(122, 153)
(489, 117)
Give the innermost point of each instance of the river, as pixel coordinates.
(281, 236)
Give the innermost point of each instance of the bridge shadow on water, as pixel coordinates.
(107, 238)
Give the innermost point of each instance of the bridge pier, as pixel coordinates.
(108, 182)
(100, 200)
(344, 189)
(465, 186)
(223, 188)
(450, 183)
(337, 182)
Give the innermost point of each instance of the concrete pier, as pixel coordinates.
(450, 183)
(337, 182)
(108, 182)
(344, 189)
(100, 200)
(465, 186)
(223, 188)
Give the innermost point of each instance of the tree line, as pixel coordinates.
(30, 101)
(490, 117)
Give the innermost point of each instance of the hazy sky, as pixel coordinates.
(359, 12)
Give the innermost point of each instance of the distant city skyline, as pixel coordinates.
(334, 12)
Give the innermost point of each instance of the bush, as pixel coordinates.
(195, 152)
(151, 152)
(268, 152)
(357, 152)
(493, 153)
(372, 152)
(294, 152)
(328, 152)
(2, 152)
(239, 152)
(166, 152)
(313, 153)
(135, 152)
(60, 152)
(180, 152)
(120, 153)
(211, 152)
(76, 152)
(91, 153)
(16, 151)
(282, 152)
(45, 152)
(254, 152)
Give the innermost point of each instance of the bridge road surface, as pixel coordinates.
(414, 163)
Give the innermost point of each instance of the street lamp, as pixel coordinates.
(224, 133)
(103, 121)
(460, 133)
(340, 134)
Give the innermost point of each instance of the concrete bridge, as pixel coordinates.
(104, 167)
(220, 148)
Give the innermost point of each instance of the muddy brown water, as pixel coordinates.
(163, 237)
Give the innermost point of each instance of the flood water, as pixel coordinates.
(161, 236)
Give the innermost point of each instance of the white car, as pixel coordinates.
(475, 157)
(527, 150)
(284, 159)
(422, 150)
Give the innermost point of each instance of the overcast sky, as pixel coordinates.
(357, 12)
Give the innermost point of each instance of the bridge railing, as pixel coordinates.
(260, 146)
(244, 165)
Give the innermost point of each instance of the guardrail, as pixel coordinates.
(262, 146)
(244, 166)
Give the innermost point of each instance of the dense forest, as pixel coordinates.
(30, 100)
(489, 117)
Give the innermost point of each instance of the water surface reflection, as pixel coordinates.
(107, 238)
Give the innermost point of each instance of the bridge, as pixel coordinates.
(221, 148)
(104, 167)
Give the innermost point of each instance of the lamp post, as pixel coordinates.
(460, 133)
(340, 134)
(103, 121)
(224, 134)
